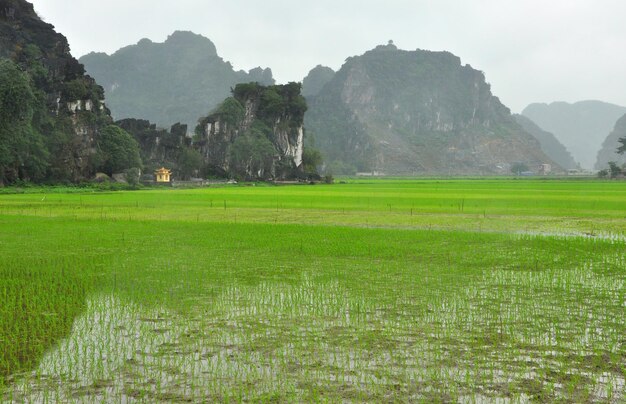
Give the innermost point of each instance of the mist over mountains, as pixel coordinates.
(608, 152)
(581, 127)
(549, 143)
(178, 80)
(392, 111)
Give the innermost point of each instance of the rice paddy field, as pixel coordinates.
(390, 290)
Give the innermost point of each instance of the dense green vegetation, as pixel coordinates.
(252, 151)
(23, 154)
(118, 151)
(273, 102)
(52, 116)
(409, 290)
(26, 155)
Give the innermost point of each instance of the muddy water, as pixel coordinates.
(285, 340)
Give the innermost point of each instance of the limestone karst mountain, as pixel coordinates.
(256, 133)
(415, 112)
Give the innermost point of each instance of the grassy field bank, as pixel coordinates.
(367, 291)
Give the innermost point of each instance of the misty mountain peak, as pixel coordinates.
(189, 39)
(317, 78)
(144, 42)
(389, 47)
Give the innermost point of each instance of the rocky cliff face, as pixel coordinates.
(581, 127)
(158, 146)
(178, 80)
(610, 145)
(415, 112)
(73, 111)
(257, 133)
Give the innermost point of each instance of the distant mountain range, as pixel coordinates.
(549, 143)
(581, 127)
(389, 110)
(178, 80)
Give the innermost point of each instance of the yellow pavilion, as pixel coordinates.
(162, 175)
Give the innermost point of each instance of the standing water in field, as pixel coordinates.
(491, 339)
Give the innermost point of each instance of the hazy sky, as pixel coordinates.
(530, 50)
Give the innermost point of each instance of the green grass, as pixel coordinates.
(379, 290)
(40, 299)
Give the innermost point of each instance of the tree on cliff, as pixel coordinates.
(252, 153)
(189, 163)
(117, 151)
(23, 155)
